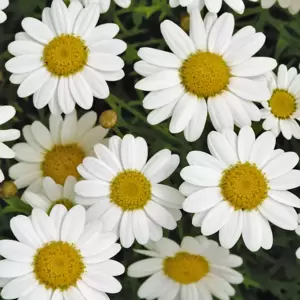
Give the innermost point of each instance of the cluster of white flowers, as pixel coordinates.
(87, 191)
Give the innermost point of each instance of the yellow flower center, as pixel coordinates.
(204, 74)
(244, 186)
(130, 190)
(64, 201)
(58, 265)
(185, 22)
(185, 268)
(62, 161)
(65, 55)
(282, 104)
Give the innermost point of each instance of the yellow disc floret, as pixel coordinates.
(130, 190)
(244, 186)
(204, 74)
(68, 204)
(108, 119)
(58, 265)
(282, 104)
(185, 268)
(62, 161)
(65, 55)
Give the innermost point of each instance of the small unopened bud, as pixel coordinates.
(185, 22)
(108, 119)
(8, 189)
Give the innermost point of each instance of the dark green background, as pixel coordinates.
(269, 275)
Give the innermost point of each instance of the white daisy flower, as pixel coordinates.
(292, 5)
(282, 110)
(211, 72)
(7, 112)
(197, 269)
(213, 6)
(105, 4)
(298, 233)
(57, 152)
(241, 187)
(3, 5)
(52, 194)
(64, 59)
(59, 257)
(124, 190)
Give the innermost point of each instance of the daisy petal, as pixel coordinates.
(246, 139)
(228, 274)
(126, 229)
(145, 69)
(90, 293)
(221, 33)
(19, 287)
(64, 97)
(43, 225)
(177, 40)
(73, 224)
(59, 15)
(102, 32)
(287, 181)
(105, 62)
(23, 230)
(254, 66)
(42, 135)
(159, 81)
(197, 30)
(262, 148)
(86, 21)
(81, 91)
(140, 227)
(168, 194)
(156, 164)
(33, 82)
(202, 200)
(155, 283)
(267, 235)
(221, 149)
(191, 245)
(281, 165)
(108, 157)
(252, 233)
(280, 215)
(155, 230)
(160, 215)
(128, 151)
(249, 89)
(163, 97)
(37, 30)
(201, 175)
(57, 214)
(203, 159)
(96, 81)
(243, 48)
(231, 232)
(145, 267)
(92, 188)
(219, 112)
(16, 251)
(159, 57)
(216, 218)
(43, 96)
(11, 269)
(195, 127)
(285, 197)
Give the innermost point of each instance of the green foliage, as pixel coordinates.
(272, 275)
